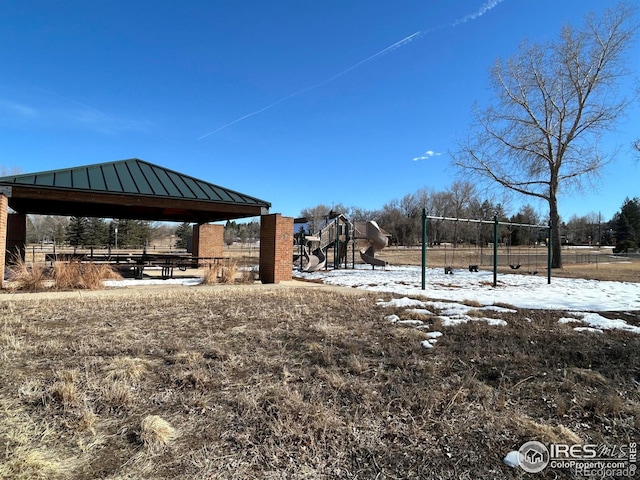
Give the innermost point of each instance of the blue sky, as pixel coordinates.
(294, 102)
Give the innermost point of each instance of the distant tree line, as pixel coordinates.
(402, 219)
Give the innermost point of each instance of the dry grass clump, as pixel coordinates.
(295, 383)
(35, 277)
(126, 368)
(548, 433)
(89, 276)
(27, 277)
(33, 464)
(156, 433)
(227, 273)
(248, 275)
(211, 273)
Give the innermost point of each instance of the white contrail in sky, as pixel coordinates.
(400, 43)
(472, 16)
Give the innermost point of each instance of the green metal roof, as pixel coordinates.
(133, 177)
(127, 189)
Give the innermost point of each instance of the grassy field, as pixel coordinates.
(255, 382)
(283, 382)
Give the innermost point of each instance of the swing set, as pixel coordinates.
(473, 267)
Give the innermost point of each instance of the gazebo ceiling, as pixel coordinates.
(132, 189)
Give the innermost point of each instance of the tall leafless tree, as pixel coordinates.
(552, 103)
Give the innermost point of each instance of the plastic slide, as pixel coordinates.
(317, 261)
(377, 241)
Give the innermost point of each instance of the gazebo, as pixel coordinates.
(136, 189)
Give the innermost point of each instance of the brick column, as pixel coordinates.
(276, 248)
(4, 208)
(207, 240)
(16, 236)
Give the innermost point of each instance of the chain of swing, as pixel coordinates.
(516, 265)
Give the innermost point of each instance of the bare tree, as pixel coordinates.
(318, 216)
(552, 104)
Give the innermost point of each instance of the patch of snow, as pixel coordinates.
(420, 311)
(413, 323)
(494, 308)
(460, 319)
(432, 335)
(588, 329)
(401, 302)
(392, 318)
(598, 322)
(149, 281)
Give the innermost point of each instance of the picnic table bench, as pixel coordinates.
(166, 262)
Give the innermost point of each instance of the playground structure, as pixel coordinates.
(341, 238)
(514, 264)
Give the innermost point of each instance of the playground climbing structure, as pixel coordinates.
(342, 238)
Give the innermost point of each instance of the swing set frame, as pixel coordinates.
(495, 224)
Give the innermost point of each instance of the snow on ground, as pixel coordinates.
(189, 281)
(520, 291)
(578, 297)
(598, 323)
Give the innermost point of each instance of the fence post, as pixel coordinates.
(495, 250)
(424, 246)
(549, 254)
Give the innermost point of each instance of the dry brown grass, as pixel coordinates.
(294, 383)
(35, 277)
(156, 433)
(228, 272)
(76, 275)
(211, 273)
(28, 277)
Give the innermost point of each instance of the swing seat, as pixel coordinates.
(473, 268)
(514, 267)
(448, 270)
(535, 272)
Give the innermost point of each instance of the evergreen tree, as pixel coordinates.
(76, 232)
(97, 232)
(627, 225)
(230, 232)
(183, 232)
(131, 233)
